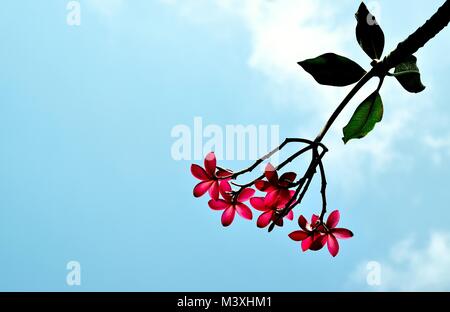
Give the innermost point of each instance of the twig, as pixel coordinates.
(323, 189)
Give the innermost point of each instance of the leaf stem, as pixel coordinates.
(344, 103)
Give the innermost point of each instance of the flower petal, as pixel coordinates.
(290, 215)
(288, 177)
(264, 219)
(201, 188)
(303, 223)
(307, 242)
(333, 219)
(228, 216)
(214, 190)
(224, 173)
(245, 195)
(284, 196)
(263, 186)
(333, 245)
(342, 233)
(258, 203)
(244, 211)
(314, 219)
(210, 164)
(225, 189)
(298, 236)
(319, 240)
(199, 172)
(271, 174)
(271, 199)
(219, 204)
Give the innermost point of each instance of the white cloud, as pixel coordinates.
(106, 8)
(284, 32)
(410, 267)
(439, 147)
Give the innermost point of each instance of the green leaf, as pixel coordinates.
(408, 74)
(333, 70)
(369, 34)
(368, 113)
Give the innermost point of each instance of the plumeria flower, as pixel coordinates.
(276, 188)
(232, 203)
(310, 237)
(332, 233)
(209, 177)
(270, 209)
(314, 235)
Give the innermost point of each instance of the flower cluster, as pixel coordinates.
(272, 204)
(216, 182)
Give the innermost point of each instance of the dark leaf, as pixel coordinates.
(369, 34)
(368, 113)
(333, 70)
(408, 74)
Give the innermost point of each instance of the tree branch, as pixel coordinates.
(380, 69)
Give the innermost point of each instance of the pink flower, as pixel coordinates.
(276, 188)
(332, 233)
(314, 235)
(208, 176)
(270, 208)
(232, 203)
(309, 236)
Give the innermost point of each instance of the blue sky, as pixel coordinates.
(86, 114)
